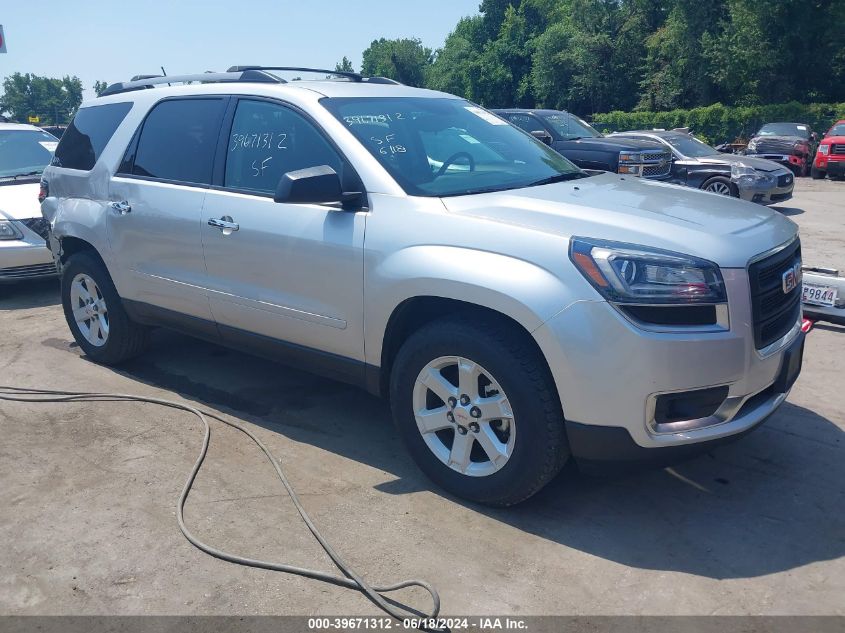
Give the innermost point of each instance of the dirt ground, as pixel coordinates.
(88, 492)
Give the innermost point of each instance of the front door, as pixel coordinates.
(288, 272)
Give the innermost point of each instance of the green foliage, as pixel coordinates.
(100, 87)
(720, 124)
(53, 100)
(405, 60)
(344, 65)
(601, 55)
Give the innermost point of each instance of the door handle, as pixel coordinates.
(121, 208)
(226, 223)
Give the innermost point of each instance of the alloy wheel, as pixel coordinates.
(89, 309)
(718, 187)
(464, 416)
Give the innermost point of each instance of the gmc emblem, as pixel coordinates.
(791, 278)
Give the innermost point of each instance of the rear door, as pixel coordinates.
(157, 197)
(288, 272)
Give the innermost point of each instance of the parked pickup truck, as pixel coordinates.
(830, 156)
(590, 149)
(790, 144)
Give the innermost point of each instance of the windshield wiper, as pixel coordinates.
(24, 175)
(573, 175)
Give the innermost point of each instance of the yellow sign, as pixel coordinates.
(34, 119)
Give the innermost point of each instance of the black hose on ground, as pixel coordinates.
(352, 580)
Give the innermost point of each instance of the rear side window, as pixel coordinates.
(178, 140)
(88, 134)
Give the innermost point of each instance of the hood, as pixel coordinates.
(833, 140)
(608, 206)
(760, 164)
(20, 201)
(779, 137)
(772, 143)
(616, 143)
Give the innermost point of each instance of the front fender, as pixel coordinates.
(521, 290)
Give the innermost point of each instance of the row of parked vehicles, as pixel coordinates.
(518, 310)
(762, 172)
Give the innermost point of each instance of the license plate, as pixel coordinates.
(819, 295)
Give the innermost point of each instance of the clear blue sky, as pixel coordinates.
(111, 40)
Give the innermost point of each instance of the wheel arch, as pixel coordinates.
(416, 312)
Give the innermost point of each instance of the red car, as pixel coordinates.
(830, 156)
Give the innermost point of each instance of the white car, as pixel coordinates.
(25, 151)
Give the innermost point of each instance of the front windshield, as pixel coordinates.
(690, 146)
(24, 152)
(448, 147)
(569, 127)
(784, 129)
(837, 130)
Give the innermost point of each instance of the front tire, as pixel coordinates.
(719, 185)
(95, 315)
(477, 408)
(817, 174)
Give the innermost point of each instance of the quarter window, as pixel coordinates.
(268, 140)
(178, 140)
(88, 134)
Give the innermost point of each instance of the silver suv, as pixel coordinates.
(516, 310)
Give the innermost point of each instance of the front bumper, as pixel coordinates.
(609, 372)
(25, 259)
(833, 165)
(767, 195)
(793, 161)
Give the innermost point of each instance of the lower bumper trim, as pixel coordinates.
(609, 449)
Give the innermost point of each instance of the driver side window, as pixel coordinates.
(268, 140)
(526, 122)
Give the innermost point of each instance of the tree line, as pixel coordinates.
(591, 56)
(50, 100)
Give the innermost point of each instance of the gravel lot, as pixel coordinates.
(87, 492)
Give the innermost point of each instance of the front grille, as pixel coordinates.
(838, 149)
(39, 226)
(656, 164)
(774, 145)
(785, 180)
(774, 311)
(22, 272)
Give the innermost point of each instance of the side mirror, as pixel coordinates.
(314, 185)
(814, 137)
(542, 135)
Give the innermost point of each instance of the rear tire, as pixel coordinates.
(95, 314)
(817, 174)
(497, 461)
(719, 185)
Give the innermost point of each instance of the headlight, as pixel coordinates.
(8, 231)
(630, 157)
(745, 176)
(631, 274)
(741, 169)
(824, 150)
(752, 145)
